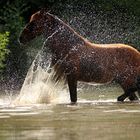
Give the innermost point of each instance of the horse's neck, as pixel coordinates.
(67, 35)
(63, 39)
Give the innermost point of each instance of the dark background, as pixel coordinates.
(100, 21)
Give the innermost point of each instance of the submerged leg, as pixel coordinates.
(72, 83)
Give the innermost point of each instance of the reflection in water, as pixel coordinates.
(97, 115)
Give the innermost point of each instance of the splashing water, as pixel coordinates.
(39, 85)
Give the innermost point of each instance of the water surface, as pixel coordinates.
(97, 115)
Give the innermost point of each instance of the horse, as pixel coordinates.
(81, 60)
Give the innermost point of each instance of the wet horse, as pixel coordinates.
(81, 60)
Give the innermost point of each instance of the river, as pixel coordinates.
(96, 116)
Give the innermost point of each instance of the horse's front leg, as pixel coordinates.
(72, 84)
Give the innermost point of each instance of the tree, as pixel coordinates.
(4, 51)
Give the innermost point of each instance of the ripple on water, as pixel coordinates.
(122, 110)
(8, 110)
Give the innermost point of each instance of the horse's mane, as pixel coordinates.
(67, 26)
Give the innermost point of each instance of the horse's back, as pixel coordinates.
(102, 62)
(122, 51)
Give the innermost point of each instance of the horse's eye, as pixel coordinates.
(31, 26)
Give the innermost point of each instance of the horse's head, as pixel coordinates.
(40, 23)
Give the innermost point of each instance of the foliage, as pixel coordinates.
(4, 40)
(12, 17)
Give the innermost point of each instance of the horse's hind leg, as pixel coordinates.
(129, 88)
(122, 97)
(138, 92)
(130, 93)
(133, 97)
(138, 85)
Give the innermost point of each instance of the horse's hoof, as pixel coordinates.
(120, 99)
(73, 103)
(133, 98)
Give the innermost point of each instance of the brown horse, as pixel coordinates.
(81, 60)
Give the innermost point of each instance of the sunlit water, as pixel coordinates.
(97, 115)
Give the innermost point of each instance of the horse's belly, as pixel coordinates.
(96, 77)
(93, 72)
